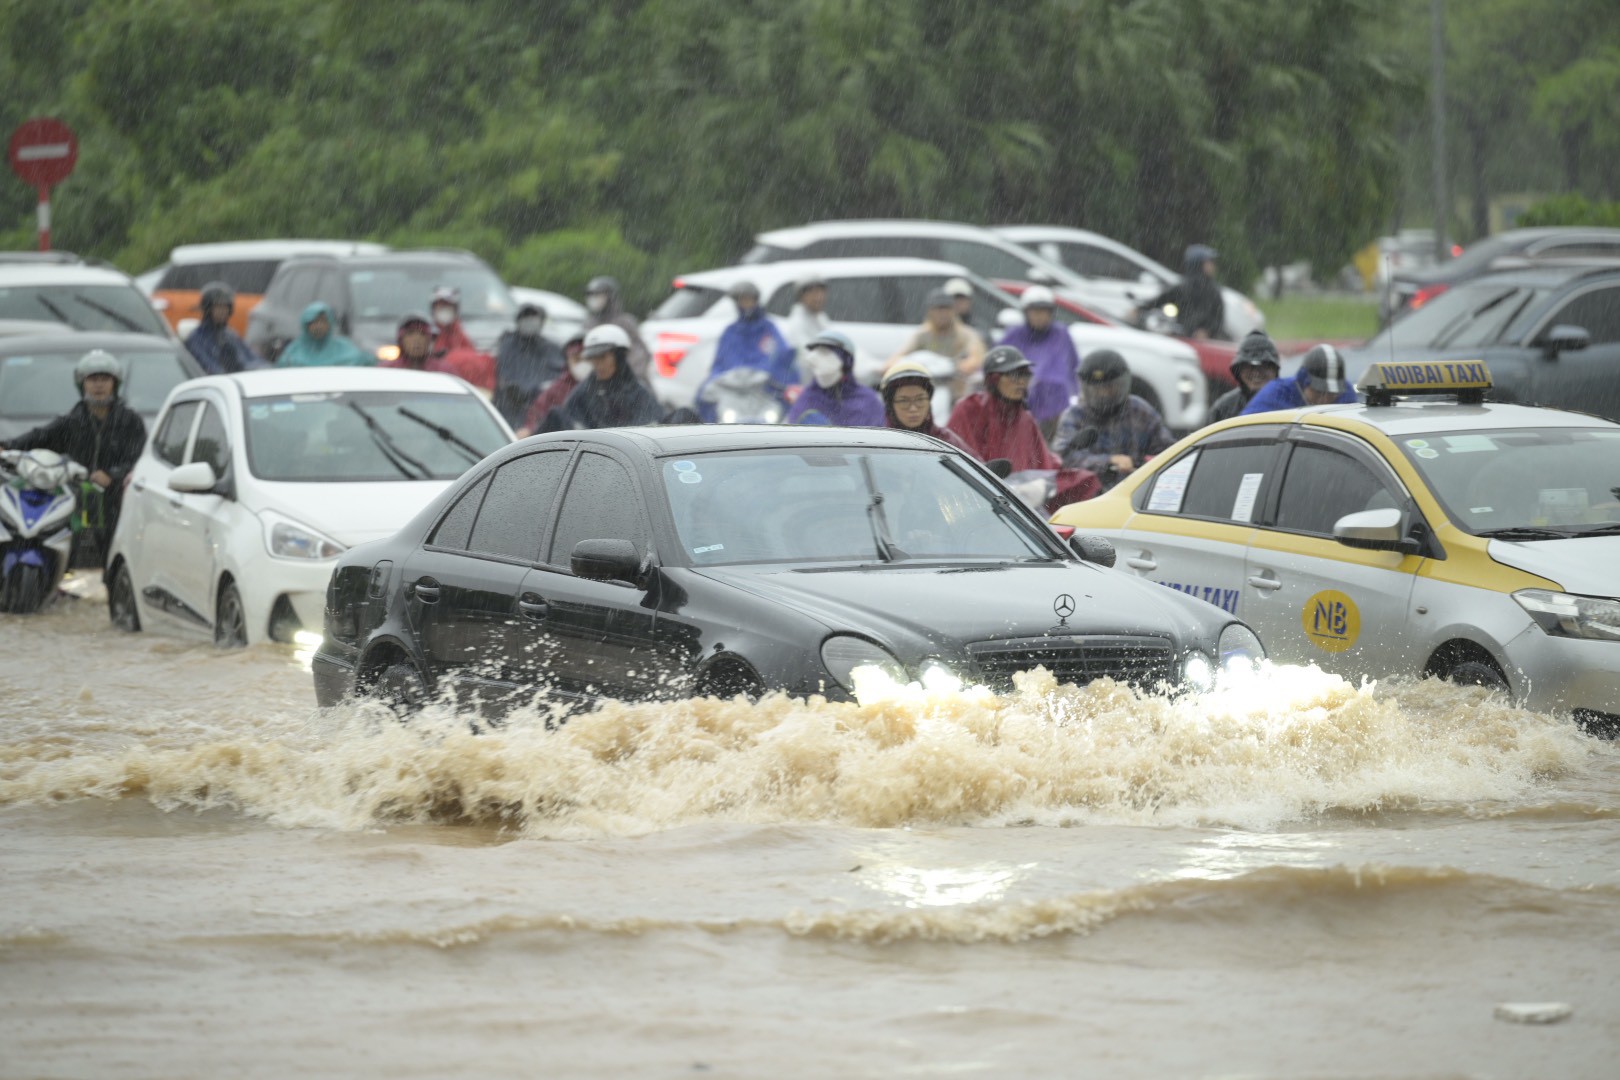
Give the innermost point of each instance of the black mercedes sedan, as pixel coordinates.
(671, 562)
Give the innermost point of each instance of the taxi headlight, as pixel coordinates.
(287, 539)
(1239, 647)
(843, 653)
(1562, 615)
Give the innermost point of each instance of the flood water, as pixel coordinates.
(202, 875)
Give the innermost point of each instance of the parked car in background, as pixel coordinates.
(245, 265)
(879, 303)
(564, 316)
(371, 293)
(253, 484)
(1550, 335)
(78, 295)
(1514, 249)
(36, 375)
(1119, 276)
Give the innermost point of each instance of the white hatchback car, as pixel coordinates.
(253, 484)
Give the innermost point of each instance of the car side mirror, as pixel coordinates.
(1093, 549)
(196, 477)
(1565, 338)
(1376, 530)
(606, 560)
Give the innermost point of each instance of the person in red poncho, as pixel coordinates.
(453, 350)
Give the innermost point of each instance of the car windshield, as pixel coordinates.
(1473, 314)
(43, 385)
(83, 307)
(244, 275)
(764, 253)
(1564, 480)
(687, 302)
(392, 292)
(814, 505)
(370, 436)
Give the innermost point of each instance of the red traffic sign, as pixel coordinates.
(43, 151)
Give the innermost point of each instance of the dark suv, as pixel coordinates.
(371, 293)
(1514, 249)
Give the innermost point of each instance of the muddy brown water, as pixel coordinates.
(203, 875)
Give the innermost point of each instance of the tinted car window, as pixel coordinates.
(857, 300)
(601, 504)
(1433, 324)
(212, 445)
(984, 259)
(862, 247)
(1521, 477)
(243, 275)
(1223, 482)
(1098, 262)
(1597, 312)
(393, 291)
(84, 307)
(170, 442)
(515, 511)
(687, 302)
(455, 528)
(1323, 485)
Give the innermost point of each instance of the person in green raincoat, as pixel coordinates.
(320, 345)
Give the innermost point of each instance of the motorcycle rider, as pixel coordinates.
(414, 336)
(1199, 307)
(452, 348)
(960, 290)
(576, 370)
(525, 364)
(611, 395)
(908, 395)
(218, 348)
(101, 433)
(996, 422)
(943, 333)
(1320, 380)
(753, 341)
(606, 306)
(1051, 350)
(807, 320)
(833, 396)
(320, 345)
(1128, 429)
(1255, 364)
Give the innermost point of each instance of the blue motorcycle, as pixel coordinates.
(39, 503)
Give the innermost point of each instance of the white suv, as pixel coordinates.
(79, 296)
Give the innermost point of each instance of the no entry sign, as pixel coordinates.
(43, 152)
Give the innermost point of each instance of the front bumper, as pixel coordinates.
(334, 679)
(1560, 674)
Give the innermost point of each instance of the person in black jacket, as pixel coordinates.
(100, 433)
(611, 396)
(1255, 364)
(525, 364)
(1197, 296)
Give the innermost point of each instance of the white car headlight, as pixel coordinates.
(1239, 647)
(1595, 618)
(843, 653)
(287, 539)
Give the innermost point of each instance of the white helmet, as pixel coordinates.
(1037, 296)
(605, 337)
(959, 287)
(97, 362)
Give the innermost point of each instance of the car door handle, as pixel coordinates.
(1268, 584)
(532, 606)
(1136, 563)
(427, 591)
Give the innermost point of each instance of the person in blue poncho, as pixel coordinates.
(833, 397)
(320, 345)
(1319, 381)
(216, 346)
(753, 341)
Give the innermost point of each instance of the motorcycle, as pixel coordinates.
(744, 395)
(39, 502)
(1046, 490)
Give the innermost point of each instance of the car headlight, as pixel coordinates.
(1239, 646)
(1595, 618)
(843, 653)
(287, 539)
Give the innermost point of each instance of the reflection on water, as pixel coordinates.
(1233, 854)
(949, 886)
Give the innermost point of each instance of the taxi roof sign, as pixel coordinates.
(1465, 380)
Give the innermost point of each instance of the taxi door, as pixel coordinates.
(1313, 599)
(1195, 522)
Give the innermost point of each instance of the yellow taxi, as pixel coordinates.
(1425, 531)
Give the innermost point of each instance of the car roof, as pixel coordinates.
(23, 275)
(270, 249)
(271, 382)
(707, 438)
(776, 273)
(1529, 235)
(1413, 417)
(81, 342)
(1547, 274)
(800, 235)
(392, 257)
(1025, 233)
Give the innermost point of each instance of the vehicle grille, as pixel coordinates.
(1143, 662)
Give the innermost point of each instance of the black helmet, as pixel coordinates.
(1257, 349)
(1004, 358)
(1197, 255)
(216, 292)
(1103, 365)
(602, 284)
(1105, 381)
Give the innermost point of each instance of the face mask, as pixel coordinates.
(529, 325)
(580, 370)
(444, 315)
(596, 302)
(827, 368)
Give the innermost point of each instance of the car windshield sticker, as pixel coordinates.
(258, 412)
(706, 550)
(1331, 621)
(1427, 453)
(1418, 444)
(283, 406)
(1482, 509)
(1171, 486)
(690, 478)
(685, 466)
(1243, 505)
(1469, 444)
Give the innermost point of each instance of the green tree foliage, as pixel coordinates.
(1572, 210)
(572, 137)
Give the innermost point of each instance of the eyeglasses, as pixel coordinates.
(911, 402)
(1021, 375)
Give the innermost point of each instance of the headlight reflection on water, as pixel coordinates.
(305, 644)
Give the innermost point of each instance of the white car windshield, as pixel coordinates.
(1522, 481)
(371, 436)
(84, 307)
(815, 505)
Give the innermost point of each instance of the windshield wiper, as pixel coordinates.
(887, 549)
(1001, 503)
(60, 315)
(1598, 530)
(444, 433)
(1524, 532)
(114, 315)
(390, 450)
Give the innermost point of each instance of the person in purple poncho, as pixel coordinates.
(833, 397)
(1050, 349)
